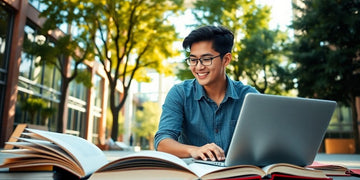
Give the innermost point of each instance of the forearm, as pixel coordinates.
(210, 150)
(173, 147)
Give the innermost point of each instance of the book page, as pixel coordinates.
(89, 157)
(293, 170)
(44, 147)
(144, 159)
(330, 169)
(217, 172)
(201, 169)
(31, 148)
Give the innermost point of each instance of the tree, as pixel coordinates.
(147, 121)
(327, 53)
(261, 60)
(241, 16)
(257, 51)
(127, 37)
(52, 54)
(32, 106)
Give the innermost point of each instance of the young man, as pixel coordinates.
(199, 115)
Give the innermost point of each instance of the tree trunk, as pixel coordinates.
(115, 123)
(115, 109)
(63, 99)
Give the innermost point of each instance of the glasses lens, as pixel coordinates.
(207, 61)
(191, 62)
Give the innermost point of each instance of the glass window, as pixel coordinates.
(5, 41)
(26, 59)
(57, 80)
(20, 115)
(76, 122)
(98, 91)
(78, 90)
(95, 135)
(5, 25)
(49, 73)
(38, 80)
(341, 120)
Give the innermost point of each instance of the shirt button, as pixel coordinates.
(216, 130)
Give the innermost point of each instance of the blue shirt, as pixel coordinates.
(190, 117)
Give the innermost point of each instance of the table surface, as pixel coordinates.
(352, 161)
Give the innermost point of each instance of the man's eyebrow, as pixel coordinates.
(207, 54)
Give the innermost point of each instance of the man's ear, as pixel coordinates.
(227, 58)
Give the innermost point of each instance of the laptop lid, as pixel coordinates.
(279, 129)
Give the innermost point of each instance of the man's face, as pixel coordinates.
(207, 75)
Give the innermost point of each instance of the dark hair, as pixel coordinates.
(222, 38)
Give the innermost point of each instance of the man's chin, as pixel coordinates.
(202, 82)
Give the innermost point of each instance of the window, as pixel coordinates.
(39, 81)
(98, 91)
(76, 122)
(78, 94)
(77, 89)
(340, 125)
(98, 97)
(5, 34)
(6, 18)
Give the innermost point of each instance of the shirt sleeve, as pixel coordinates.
(172, 116)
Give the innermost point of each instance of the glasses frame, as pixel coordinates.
(188, 61)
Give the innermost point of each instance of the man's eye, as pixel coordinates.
(191, 59)
(206, 59)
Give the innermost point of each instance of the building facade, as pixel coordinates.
(24, 80)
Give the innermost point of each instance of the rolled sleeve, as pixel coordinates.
(172, 116)
(190, 117)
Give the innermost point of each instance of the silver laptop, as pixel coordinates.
(278, 129)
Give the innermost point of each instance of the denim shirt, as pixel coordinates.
(190, 117)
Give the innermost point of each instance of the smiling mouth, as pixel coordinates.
(202, 74)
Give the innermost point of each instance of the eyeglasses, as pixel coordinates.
(206, 61)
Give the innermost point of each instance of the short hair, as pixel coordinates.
(222, 38)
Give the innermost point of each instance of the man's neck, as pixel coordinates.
(217, 91)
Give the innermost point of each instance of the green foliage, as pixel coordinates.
(258, 54)
(147, 120)
(84, 77)
(327, 50)
(127, 37)
(261, 60)
(327, 53)
(183, 71)
(57, 54)
(33, 106)
(241, 16)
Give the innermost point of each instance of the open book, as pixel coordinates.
(40, 150)
(37, 148)
(154, 164)
(334, 170)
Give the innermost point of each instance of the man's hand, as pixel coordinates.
(208, 151)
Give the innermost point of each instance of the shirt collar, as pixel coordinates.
(230, 91)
